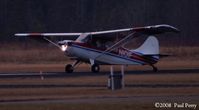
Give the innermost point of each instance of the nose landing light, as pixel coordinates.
(64, 48)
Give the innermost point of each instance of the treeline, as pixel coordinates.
(95, 15)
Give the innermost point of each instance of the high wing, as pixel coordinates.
(48, 34)
(41, 36)
(110, 34)
(156, 29)
(123, 33)
(148, 30)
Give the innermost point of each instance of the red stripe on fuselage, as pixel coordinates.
(126, 53)
(148, 60)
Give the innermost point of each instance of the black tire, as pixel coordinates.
(95, 68)
(155, 69)
(69, 68)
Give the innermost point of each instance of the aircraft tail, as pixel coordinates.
(149, 47)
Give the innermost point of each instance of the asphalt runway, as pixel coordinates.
(133, 99)
(149, 98)
(82, 74)
(90, 74)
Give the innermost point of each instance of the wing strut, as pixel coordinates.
(51, 42)
(118, 44)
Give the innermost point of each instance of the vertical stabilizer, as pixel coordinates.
(149, 47)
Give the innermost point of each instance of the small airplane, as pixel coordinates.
(107, 47)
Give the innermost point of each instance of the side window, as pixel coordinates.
(85, 39)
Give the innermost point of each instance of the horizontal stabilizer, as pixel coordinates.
(158, 55)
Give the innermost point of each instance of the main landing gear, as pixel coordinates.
(155, 69)
(95, 68)
(69, 68)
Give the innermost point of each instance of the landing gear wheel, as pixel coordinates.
(69, 68)
(155, 69)
(95, 68)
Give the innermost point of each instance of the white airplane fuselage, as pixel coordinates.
(121, 56)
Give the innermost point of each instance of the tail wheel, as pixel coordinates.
(95, 68)
(69, 68)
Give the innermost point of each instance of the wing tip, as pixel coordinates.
(20, 34)
(172, 28)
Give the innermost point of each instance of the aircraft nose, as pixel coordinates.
(64, 47)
